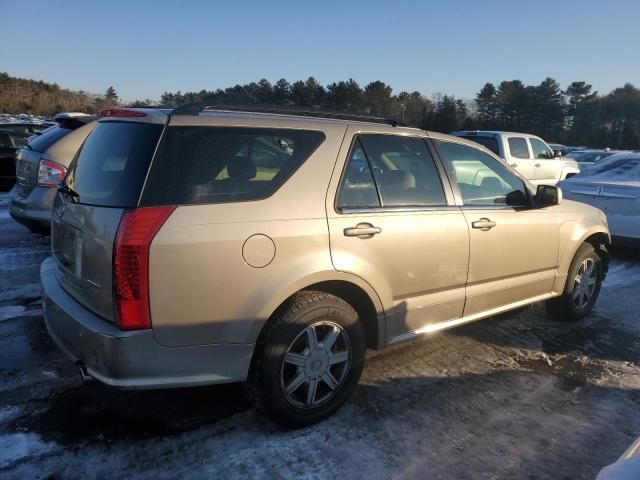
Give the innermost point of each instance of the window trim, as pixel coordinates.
(456, 190)
(445, 182)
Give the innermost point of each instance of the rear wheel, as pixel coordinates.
(584, 280)
(308, 359)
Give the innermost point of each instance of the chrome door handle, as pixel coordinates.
(362, 230)
(483, 224)
(537, 165)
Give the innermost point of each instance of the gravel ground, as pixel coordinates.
(514, 396)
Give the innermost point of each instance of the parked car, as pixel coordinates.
(274, 249)
(25, 127)
(40, 166)
(560, 150)
(613, 185)
(627, 467)
(528, 154)
(10, 141)
(586, 158)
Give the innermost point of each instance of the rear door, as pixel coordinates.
(107, 175)
(393, 223)
(513, 247)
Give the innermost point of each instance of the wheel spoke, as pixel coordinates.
(330, 380)
(312, 339)
(295, 359)
(330, 338)
(576, 292)
(312, 387)
(579, 278)
(338, 357)
(295, 383)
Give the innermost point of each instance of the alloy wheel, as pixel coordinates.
(315, 365)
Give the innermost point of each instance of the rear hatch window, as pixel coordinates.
(48, 137)
(196, 165)
(112, 164)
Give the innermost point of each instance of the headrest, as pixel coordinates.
(241, 168)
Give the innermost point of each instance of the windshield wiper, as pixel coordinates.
(70, 192)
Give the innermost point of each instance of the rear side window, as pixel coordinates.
(489, 142)
(48, 138)
(518, 147)
(196, 165)
(112, 164)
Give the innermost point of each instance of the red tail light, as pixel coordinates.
(137, 229)
(121, 112)
(50, 174)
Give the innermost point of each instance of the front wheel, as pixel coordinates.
(307, 360)
(584, 280)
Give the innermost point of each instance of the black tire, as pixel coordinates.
(565, 307)
(265, 385)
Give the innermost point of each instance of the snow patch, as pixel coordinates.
(8, 414)
(622, 274)
(29, 291)
(17, 446)
(11, 311)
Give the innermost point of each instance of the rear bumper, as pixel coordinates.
(133, 359)
(33, 211)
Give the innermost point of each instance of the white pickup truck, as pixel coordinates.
(528, 154)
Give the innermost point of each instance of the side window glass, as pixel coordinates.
(539, 149)
(482, 180)
(358, 189)
(404, 171)
(518, 147)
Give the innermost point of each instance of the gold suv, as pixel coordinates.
(201, 246)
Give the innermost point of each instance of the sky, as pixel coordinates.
(144, 47)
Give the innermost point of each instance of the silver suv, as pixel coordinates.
(201, 246)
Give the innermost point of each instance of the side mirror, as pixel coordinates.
(548, 195)
(557, 153)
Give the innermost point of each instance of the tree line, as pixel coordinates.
(576, 115)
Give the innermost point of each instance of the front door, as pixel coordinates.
(546, 166)
(520, 156)
(394, 224)
(513, 247)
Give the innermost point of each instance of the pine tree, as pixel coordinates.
(111, 97)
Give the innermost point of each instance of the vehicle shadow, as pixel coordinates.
(96, 412)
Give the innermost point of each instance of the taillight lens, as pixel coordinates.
(131, 265)
(50, 174)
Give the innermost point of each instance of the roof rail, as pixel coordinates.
(195, 108)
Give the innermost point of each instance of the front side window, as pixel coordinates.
(196, 165)
(481, 179)
(518, 147)
(404, 171)
(539, 149)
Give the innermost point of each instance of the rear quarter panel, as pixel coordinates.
(203, 291)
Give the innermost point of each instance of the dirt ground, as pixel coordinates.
(515, 397)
